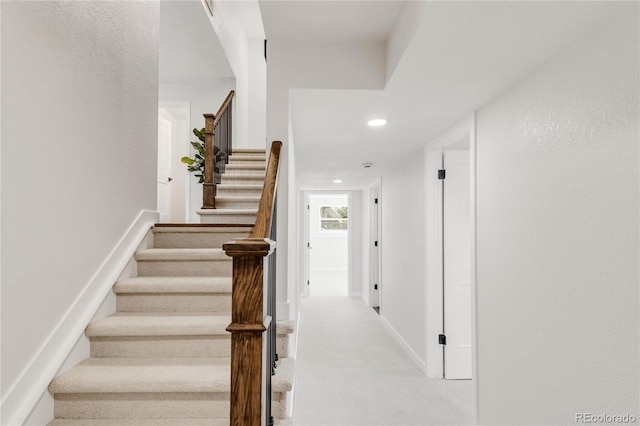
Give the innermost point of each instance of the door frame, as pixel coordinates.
(375, 192)
(163, 182)
(181, 146)
(464, 130)
(305, 235)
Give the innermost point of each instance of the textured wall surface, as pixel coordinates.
(79, 138)
(402, 301)
(557, 237)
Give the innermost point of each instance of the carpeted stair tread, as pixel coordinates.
(238, 198)
(145, 375)
(237, 151)
(174, 285)
(159, 325)
(285, 327)
(228, 211)
(142, 422)
(159, 375)
(189, 254)
(246, 157)
(232, 166)
(202, 228)
(239, 186)
(242, 176)
(282, 381)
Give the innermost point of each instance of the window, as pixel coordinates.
(334, 218)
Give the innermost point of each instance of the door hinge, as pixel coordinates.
(375, 244)
(375, 286)
(442, 339)
(307, 206)
(441, 174)
(376, 201)
(308, 282)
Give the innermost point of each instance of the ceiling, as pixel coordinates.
(329, 21)
(462, 55)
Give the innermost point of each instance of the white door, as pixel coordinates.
(457, 265)
(307, 244)
(164, 169)
(375, 247)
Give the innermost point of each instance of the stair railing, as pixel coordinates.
(217, 149)
(253, 325)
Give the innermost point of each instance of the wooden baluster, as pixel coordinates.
(209, 186)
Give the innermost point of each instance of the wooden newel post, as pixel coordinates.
(209, 186)
(247, 328)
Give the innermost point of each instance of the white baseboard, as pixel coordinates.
(25, 393)
(416, 359)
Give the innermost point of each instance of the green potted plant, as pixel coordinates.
(196, 164)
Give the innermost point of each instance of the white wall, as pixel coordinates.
(402, 290)
(79, 141)
(557, 237)
(239, 29)
(357, 249)
(203, 98)
(257, 132)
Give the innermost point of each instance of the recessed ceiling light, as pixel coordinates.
(337, 181)
(377, 122)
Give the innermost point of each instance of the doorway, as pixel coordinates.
(172, 174)
(450, 263)
(328, 245)
(375, 248)
(165, 139)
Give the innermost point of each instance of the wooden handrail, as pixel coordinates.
(211, 122)
(250, 378)
(265, 208)
(224, 106)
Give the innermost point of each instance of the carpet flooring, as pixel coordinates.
(351, 371)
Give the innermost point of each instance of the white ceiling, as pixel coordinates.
(329, 21)
(184, 57)
(462, 55)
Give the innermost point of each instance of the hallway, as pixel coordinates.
(359, 375)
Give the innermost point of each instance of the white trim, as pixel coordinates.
(186, 139)
(414, 357)
(25, 392)
(305, 237)
(374, 191)
(474, 265)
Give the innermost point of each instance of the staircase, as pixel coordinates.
(163, 357)
(239, 190)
